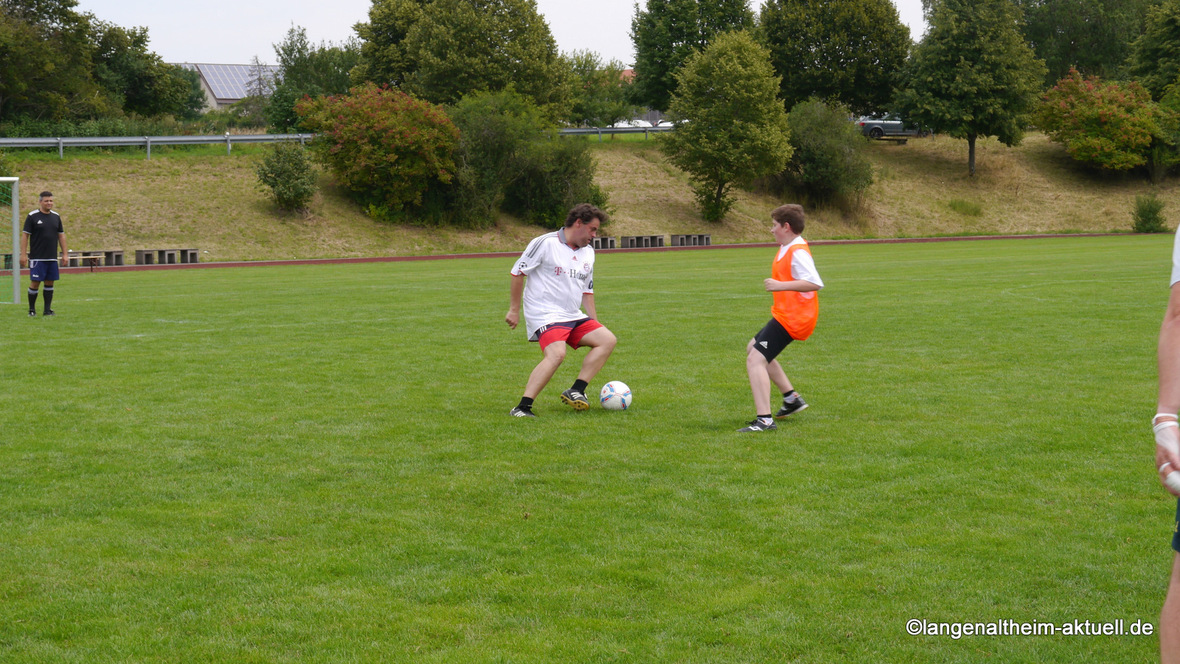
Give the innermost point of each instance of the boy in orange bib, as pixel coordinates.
(794, 282)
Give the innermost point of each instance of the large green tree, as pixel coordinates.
(307, 70)
(847, 51)
(731, 126)
(1155, 55)
(600, 93)
(1092, 36)
(973, 75)
(135, 77)
(441, 50)
(667, 32)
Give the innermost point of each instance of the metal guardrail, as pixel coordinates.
(229, 139)
(148, 141)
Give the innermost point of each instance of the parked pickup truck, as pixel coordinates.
(888, 125)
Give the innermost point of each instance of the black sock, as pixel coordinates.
(580, 386)
(49, 298)
(525, 403)
(765, 417)
(32, 298)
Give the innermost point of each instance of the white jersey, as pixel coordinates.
(558, 276)
(802, 264)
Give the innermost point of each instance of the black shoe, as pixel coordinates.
(49, 312)
(521, 412)
(575, 399)
(32, 314)
(789, 407)
(758, 425)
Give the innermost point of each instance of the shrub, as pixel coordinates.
(1147, 214)
(829, 152)
(1108, 125)
(510, 158)
(385, 147)
(287, 174)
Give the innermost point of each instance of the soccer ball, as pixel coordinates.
(615, 395)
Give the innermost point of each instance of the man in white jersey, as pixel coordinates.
(559, 267)
(1166, 458)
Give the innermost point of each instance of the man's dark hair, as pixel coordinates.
(45, 194)
(585, 213)
(790, 215)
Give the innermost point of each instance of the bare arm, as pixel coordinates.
(65, 253)
(588, 305)
(24, 249)
(1169, 388)
(798, 285)
(515, 293)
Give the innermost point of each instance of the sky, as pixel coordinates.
(229, 32)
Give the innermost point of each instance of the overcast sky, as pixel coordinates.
(233, 32)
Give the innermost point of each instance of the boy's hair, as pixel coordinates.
(45, 194)
(790, 215)
(585, 213)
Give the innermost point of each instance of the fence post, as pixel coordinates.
(61, 153)
(227, 144)
(149, 147)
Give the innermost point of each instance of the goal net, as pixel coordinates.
(10, 201)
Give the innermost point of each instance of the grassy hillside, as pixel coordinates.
(208, 200)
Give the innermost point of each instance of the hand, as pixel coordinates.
(24, 261)
(1167, 460)
(771, 285)
(512, 318)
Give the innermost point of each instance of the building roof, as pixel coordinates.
(229, 82)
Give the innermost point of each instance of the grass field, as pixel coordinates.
(316, 464)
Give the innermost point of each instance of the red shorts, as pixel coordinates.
(571, 332)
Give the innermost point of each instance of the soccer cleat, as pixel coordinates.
(575, 399)
(758, 425)
(521, 412)
(789, 407)
(49, 312)
(32, 314)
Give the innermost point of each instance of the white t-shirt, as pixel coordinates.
(558, 276)
(1176, 259)
(802, 264)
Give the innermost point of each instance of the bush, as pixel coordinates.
(829, 152)
(1148, 214)
(387, 148)
(288, 176)
(1108, 125)
(510, 158)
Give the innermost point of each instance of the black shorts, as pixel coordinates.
(1176, 530)
(772, 339)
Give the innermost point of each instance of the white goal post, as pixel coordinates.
(16, 229)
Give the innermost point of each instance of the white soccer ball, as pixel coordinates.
(615, 395)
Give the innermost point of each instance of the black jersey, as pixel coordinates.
(43, 229)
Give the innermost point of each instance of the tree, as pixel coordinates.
(667, 32)
(848, 51)
(600, 94)
(1092, 36)
(306, 70)
(441, 50)
(973, 74)
(136, 78)
(730, 125)
(1104, 124)
(1155, 55)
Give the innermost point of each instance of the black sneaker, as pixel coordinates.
(521, 412)
(32, 314)
(789, 407)
(575, 399)
(49, 312)
(758, 425)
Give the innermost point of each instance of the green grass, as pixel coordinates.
(316, 464)
(965, 208)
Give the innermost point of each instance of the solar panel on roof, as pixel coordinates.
(229, 81)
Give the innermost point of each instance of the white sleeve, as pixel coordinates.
(1176, 259)
(531, 258)
(803, 267)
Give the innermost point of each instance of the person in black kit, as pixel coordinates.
(38, 250)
